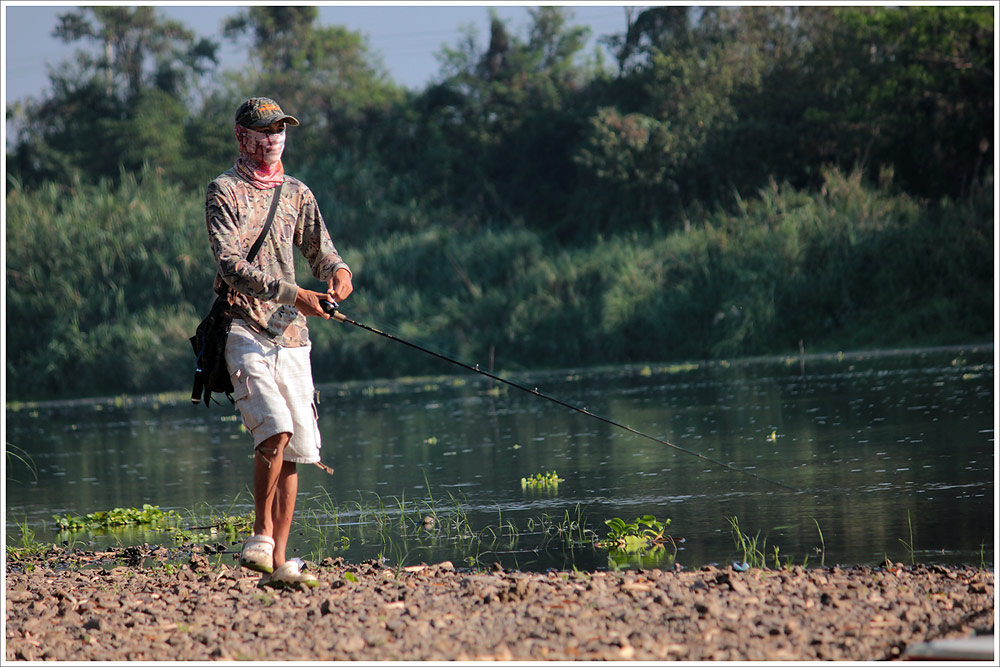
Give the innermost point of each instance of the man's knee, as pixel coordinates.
(272, 448)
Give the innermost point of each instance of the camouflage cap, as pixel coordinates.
(260, 112)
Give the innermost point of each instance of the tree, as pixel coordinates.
(278, 35)
(651, 30)
(631, 153)
(908, 89)
(121, 108)
(57, 136)
(679, 72)
(506, 116)
(129, 37)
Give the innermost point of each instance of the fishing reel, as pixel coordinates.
(330, 307)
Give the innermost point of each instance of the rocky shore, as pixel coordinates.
(134, 605)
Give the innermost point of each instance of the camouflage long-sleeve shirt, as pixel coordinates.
(265, 290)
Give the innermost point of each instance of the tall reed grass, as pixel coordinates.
(105, 283)
(848, 266)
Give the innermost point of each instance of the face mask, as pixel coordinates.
(259, 147)
(260, 157)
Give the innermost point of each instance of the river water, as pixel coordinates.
(888, 454)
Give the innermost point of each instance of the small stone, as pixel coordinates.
(20, 596)
(218, 654)
(706, 609)
(739, 586)
(42, 610)
(199, 563)
(350, 644)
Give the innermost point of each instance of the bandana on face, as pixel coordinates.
(260, 157)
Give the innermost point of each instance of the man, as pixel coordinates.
(267, 352)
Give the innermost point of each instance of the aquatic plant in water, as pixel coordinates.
(119, 516)
(639, 535)
(548, 481)
(641, 543)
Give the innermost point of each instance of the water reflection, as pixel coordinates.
(877, 443)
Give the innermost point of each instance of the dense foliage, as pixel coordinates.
(738, 181)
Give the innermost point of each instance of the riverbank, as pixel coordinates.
(135, 605)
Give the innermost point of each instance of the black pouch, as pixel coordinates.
(211, 375)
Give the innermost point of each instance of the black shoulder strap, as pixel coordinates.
(267, 224)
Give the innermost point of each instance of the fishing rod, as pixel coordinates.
(332, 308)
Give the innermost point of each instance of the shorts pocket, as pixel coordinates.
(241, 389)
(242, 393)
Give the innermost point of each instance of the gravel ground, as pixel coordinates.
(139, 605)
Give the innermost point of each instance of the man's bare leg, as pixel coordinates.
(267, 467)
(283, 509)
(275, 486)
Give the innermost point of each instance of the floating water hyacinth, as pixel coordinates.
(539, 481)
(644, 533)
(119, 516)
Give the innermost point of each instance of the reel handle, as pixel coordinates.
(329, 307)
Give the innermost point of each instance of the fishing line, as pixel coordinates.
(332, 309)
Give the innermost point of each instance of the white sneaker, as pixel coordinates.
(288, 575)
(258, 554)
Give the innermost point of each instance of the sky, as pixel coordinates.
(405, 34)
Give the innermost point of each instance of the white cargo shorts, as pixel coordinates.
(273, 389)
